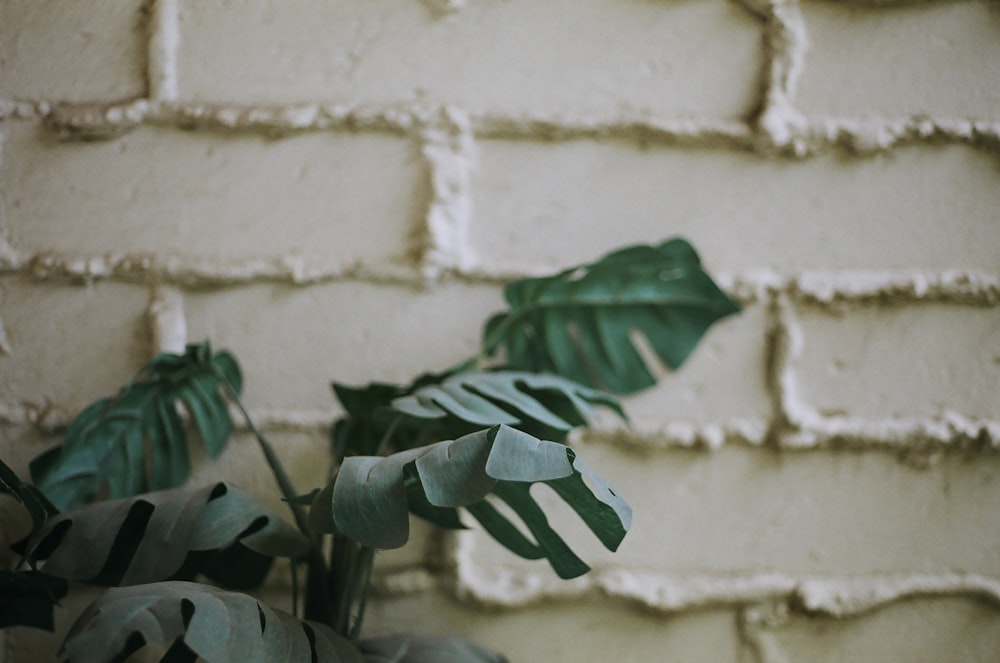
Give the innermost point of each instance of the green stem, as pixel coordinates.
(317, 603)
(284, 482)
(384, 444)
(343, 561)
(363, 579)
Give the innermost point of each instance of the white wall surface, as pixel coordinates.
(337, 190)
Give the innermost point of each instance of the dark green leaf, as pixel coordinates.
(106, 445)
(369, 499)
(371, 420)
(580, 322)
(217, 625)
(37, 505)
(153, 537)
(27, 598)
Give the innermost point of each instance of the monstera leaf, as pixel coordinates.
(158, 536)
(581, 323)
(28, 597)
(32, 499)
(192, 619)
(368, 499)
(536, 403)
(106, 445)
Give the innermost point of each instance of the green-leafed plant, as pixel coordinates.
(109, 506)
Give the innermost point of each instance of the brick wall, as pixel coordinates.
(336, 190)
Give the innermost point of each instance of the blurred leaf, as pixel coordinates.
(217, 625)
(542, 405)
(37, 505)
(371, 420)
(425, 649)
(368, 500)
(136, 441)
(579, 323)
(27, 598)
(161, 535)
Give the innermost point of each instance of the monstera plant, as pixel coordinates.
(109, 506)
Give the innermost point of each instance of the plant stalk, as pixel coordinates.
(317, 601)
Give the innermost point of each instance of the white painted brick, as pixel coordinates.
(70, 345)
(579, 57)
(921, 630)
(336, 197)
(293, 341)
(722, 380)
(901, 59)
(583, 630)
(557, 204)
(72, 50)
(745, 511)
(915, 361)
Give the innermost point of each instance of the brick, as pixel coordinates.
(909, 361)
(928, 207)
(335, 197)
(70, 345)
(921, 630)
(584, 630)
(744, 511)
(293, 341)
(578, 57)
(723, 379)
(900, 59)
(67, 50)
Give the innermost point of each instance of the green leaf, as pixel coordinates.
(160, 535)
(372, 421)
(28, 597)
(32, 499)
(105, 447)
(217, 625)
(425, 649)
(369, 498)
(543, 405)
(579, 323)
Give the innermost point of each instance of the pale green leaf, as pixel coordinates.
(217, 625)
(369, 500)
(504, 397)
(151, 537)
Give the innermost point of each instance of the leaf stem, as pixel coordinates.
(363, 579)
(280, 475)
(317, 601)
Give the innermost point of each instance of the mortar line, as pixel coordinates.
(166, 320)
(162, 52)
(834, 289)
(777, 123)
(781, 347)
(750, 622)
(442, 243)
(791, 137)
(835, 597)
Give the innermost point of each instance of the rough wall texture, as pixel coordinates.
(336, 189)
